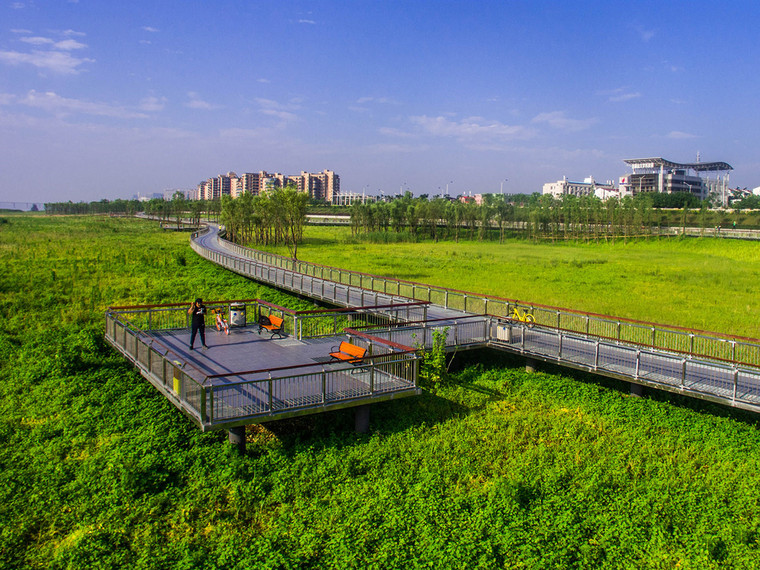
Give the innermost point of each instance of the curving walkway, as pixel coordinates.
(699, 364)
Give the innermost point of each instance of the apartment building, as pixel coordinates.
(323, 185)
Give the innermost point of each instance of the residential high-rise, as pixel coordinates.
(323, 185)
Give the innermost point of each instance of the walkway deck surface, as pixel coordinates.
(245, 349)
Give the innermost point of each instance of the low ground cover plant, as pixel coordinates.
(492, 468)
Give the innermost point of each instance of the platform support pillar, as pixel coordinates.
(637, 390)
(361, 419)
(530, 365)
(237, 438)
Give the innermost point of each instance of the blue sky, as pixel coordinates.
(107, 99)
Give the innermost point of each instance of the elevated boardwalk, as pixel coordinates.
(705, 365)
(248, 377)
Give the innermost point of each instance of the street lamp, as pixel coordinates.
(502, 184)
(447, 186)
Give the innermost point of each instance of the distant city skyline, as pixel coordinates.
(108, 100)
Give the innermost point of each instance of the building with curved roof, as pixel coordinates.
(660, 175)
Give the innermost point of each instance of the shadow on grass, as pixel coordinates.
(336, 429)
(492, 358)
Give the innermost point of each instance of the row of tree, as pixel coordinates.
(541, 216)
(276, 217)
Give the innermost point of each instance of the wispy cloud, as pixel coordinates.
(64, 45)
(49, 54)
(283, 111)
(37, 40)
(378, 100)
(196, 102)
(63, 106)
(680, 135)
(644, 34)
(150, 29)
(68, 45)
(469, 128)
(56, 61)
(619, 94)
(624, 97)
(558, 120)
(312, 22)
(153, 104)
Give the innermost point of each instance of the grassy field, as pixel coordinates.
(497, 468)
(703, 283)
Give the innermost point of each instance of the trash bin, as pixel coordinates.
(237, 314)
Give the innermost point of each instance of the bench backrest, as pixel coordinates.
(276, 321)
(352, 349)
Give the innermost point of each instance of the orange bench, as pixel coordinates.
(272, 323)
(348, 352)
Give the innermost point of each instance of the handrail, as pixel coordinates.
(138, 332)
(297, 366)
(743, 350)
(372, 338)
(491, 297)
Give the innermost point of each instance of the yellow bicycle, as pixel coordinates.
(522, 316)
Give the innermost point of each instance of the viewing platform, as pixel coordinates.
(250, 376)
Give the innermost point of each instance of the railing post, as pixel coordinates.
(638, 363)
(324, 385)
(596, 355)
(559, 344)
(270, 398)
(559, 317)
(654, 332)
(736, 381)
(683, 373)
(691, 343)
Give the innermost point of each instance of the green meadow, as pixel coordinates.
(702, 283)
(494, 468)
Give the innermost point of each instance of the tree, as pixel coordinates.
(178, 206)
(290, 207)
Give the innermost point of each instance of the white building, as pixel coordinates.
(589, 187)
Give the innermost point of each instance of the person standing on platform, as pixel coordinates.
(198, 323)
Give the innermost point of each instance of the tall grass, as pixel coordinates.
(703, 283)
(496, 468)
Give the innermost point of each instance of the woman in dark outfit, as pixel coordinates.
(198, 312)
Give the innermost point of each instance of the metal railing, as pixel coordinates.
(310, 278)
(217, 401)
(725, 382)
